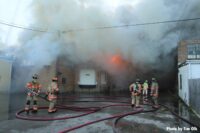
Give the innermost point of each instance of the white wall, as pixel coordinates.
(189, 71)
(194, 71)
(5, 75)
(5, 81)
(184, 92)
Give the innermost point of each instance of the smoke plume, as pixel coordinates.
(141, 51)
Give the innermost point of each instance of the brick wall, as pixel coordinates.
(66, 75)
(182, 52)
(46, 74)
(182, 49)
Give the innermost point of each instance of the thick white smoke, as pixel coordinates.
(146, 48)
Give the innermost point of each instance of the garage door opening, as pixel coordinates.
(87, 78)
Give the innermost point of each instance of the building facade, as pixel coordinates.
(84, 77)
(189, 73)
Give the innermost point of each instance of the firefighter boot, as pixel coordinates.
(27, 110)
(132, 105)
(52, 110)
(27, 107)
(35, 108)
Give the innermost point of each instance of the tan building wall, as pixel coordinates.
(64, 73)
(46, 74)
(66, 76)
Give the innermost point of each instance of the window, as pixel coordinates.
(180, 78)
(193, 51)
(198, 51)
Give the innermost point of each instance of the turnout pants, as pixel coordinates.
(29, 99)
(145, 92)
(52, 105)
(155, 100)
(135, 100)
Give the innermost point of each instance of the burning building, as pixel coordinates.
(85, 77)
(115, 56)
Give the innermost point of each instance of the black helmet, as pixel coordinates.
(35, 76)
(137, 80)
(153, 79)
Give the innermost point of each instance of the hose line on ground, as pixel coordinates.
(90, 110)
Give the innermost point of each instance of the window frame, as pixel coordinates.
(180, 81)
(195, 50)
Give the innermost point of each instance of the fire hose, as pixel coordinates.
(90, 110)
(143, 111)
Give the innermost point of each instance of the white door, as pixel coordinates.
(87, 77)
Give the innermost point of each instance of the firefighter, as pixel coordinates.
(154, 92)
(34, 88)
(135, 89)
(52, 93)
(145, 89)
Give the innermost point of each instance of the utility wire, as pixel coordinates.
(21, 27)
(101, 27)
(132, 25)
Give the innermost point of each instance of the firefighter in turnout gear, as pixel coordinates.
(32, 95)
(135, 89)
(52, 93)
(154, 92)
(145, 89)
